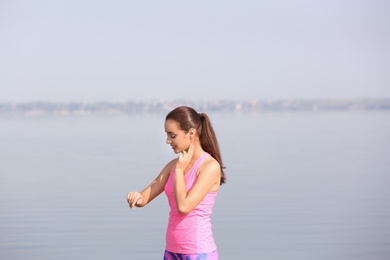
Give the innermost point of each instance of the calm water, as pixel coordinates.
(300, 186)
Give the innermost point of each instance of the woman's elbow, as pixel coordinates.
(183, 210)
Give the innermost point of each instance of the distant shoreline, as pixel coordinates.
(41, 108)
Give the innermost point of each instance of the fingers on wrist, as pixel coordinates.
(133, 197)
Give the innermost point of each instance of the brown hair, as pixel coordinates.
(188, 118)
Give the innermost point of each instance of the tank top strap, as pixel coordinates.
(201, 159)
(194, 168)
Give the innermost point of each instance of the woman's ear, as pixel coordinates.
(191, 133)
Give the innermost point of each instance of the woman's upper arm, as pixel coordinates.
(208, 176)
(157, 186)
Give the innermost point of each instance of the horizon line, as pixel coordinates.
(197, 100)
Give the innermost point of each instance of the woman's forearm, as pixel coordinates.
(180, 191)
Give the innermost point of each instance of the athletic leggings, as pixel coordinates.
(204, 256)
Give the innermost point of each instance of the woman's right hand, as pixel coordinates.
(134, 198)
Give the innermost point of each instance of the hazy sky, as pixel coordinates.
(139, 50)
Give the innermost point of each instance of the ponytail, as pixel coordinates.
(209, 143)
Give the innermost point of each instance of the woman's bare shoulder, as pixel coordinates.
(168, 167)
(210, 164)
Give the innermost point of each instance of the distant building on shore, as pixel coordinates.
(158, 106)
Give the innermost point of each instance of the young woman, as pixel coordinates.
(191, 183)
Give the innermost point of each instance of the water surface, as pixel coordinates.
(300, 186)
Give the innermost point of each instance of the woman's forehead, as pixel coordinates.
(171, 125)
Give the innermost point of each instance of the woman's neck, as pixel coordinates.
(198, 151)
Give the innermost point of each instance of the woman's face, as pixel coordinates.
(176, 138)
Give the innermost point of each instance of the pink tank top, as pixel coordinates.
(190, 233)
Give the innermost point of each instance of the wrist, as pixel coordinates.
(178, 171)
(139, 202)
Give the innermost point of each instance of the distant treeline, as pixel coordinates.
(158, 106)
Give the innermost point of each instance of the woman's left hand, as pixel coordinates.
(184, 159)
